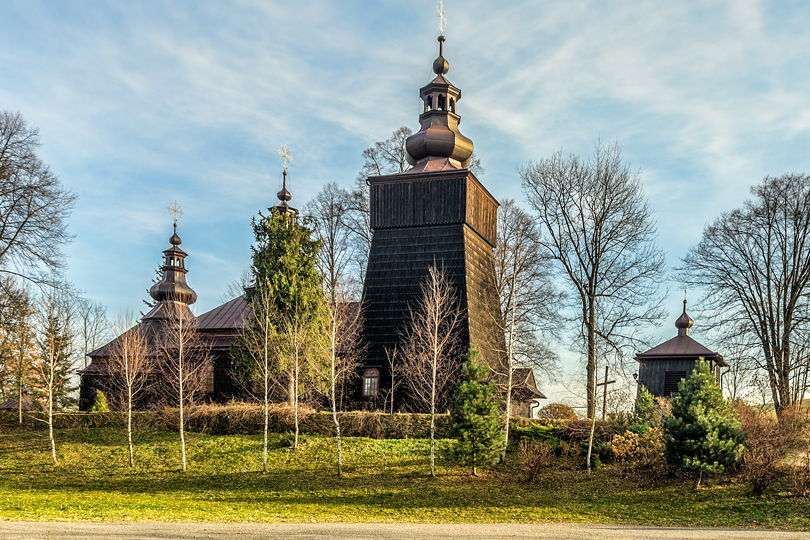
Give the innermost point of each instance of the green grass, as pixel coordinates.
(385, 480)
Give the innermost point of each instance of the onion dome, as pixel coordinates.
(285, 197)
(172, 286)
(439, 145)
(684, 322)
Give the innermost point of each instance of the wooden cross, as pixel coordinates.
(285, 156)
(175, 211)
(605, 383)
(440, 13)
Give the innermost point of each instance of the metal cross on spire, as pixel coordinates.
(175, 211)
(286, 157)
(442, 19)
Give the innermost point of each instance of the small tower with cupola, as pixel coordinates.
(435, 213)
(664, 366)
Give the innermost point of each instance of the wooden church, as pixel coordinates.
(435, 213)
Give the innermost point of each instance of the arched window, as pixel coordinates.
(427, 103)
(441, 101)
(371, 382)
(452, 105)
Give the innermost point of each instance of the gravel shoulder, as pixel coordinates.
(573, 531)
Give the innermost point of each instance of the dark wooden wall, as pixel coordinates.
(443, 218)
(652, 372)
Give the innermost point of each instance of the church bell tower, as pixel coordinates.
(435, 213)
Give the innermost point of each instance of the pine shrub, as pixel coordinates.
(702, 435)
(475, 419)
(100, 403)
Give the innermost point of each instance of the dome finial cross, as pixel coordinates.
(286, 157)
(175, 211)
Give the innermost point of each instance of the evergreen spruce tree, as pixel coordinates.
(284, 270)
(475, 419)
(702, 435)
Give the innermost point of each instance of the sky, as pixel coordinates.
(143, 103)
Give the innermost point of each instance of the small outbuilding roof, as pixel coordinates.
(682, 345)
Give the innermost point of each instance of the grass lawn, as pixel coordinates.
(385, 480)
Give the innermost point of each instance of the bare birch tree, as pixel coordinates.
(33, 206)
(431, 348)
(753, 264)
(184, 364)
(343, 350)
(130, 366)
(330, 211)
(528, 305)
(599, 230)
(54, 364)
(302, 332)
(261, 341)
(394, 361)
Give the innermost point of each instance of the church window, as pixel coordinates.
(452, 105)
(441, 101)
(371, 382)
(427, 104)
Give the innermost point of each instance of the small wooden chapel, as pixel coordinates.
(664, 366)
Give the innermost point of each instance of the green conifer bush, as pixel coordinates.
(702, 435)
(475, 420)
(100, 403)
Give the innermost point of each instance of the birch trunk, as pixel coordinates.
(50, 422)
(295, 395)
(182, 400)
(129, 429)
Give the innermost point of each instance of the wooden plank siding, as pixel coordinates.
(443, 218)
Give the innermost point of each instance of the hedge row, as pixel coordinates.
(248, 419)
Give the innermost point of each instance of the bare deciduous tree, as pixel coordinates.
(330, 213)
(344, 333)
(394, 361)
(130, 366)
(261, 341)
(302, 332)
(528, 305)
(598, 228)
(184, 364)
(33, 205)
(54, 364)
(93, 326)
(754, 265)
(431, 348)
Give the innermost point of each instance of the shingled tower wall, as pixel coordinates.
(436, 213)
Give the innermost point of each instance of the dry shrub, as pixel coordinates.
(800, 476)
(769, 442)
(634, 451)
(535, 458)
(241, 418)
(557, 411)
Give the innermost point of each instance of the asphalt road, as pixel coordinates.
(572, 531)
